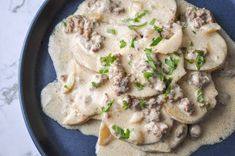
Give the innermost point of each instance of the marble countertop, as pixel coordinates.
(16, 16)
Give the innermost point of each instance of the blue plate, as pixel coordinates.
(37, 71)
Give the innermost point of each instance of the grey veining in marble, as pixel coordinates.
(16, 16)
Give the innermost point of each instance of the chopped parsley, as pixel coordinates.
(133, 27)
(148, 75)
(95, 85)
(123, 134)
(158, 29)
(104, 71)
(122, 44)
(108, 60)
(200, 60)
(142, 104)
(168, 85)
(133, 43)
(139, 15)
(172, 64)
(65, 23)
(66, 86)
(139, 86)
(200, 96)
(107, 107)
(151, 62)
(125, 104)
(153, 21)
(112, 31)
(156, 41)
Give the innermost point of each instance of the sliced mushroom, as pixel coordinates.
(105, 136)
(213, 43)
(200, 110)
(171, 45)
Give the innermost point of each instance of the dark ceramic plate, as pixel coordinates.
(37, 71)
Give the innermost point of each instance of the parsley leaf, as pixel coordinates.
(139, 86)
(172, 64)
(200, 60)
(151, 62)
(133, 43)
(112, 31)
(156, 41)
(168, 85)
(148, 75)
(142, 104)
(122, 44)
(104, 71)
(139, 15)
(158, 29)
(133, 27)
(107, 60)
(153, 21)
(125, 104)
(200, 96)
(123, 134)
(107, 107)
(95, 85)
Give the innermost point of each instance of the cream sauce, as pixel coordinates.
(218, 124)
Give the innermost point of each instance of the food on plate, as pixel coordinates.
(148, 77)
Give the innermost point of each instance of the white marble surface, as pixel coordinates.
(16, 16)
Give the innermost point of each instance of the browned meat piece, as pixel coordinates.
(198, 17)
(186, 106)
(118, 77)
(90, 39)
(199, 79)
(115, 7)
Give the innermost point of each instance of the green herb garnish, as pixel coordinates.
(133, 43)
(148, 75)
(133, 27)
(122, 44)
(139, 86)
(123, 134)
(158, 29)
(200, 60)
(200, 96)
(108, 60)
(153, 21)
(125, 104)
(95, 85)
(104, 71)
(112, 31)
(66, 86)
(139, 15)
(151, 62)
(65, 23)
(142, 103)
(168, 85)
(156, 41)
(107, 107)
(172, 64)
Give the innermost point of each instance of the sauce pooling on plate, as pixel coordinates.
(146, 77)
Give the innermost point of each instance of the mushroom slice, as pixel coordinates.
(176, 136)
(104, 135)
(213, 45)
(118, 120)
(80, 105)
(201, 106)
(171, 45)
